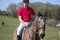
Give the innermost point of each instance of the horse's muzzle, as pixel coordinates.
(42, 35)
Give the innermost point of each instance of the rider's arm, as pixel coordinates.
(33, 14)
(20, 14)
(19, 17)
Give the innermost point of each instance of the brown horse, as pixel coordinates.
(36, 31)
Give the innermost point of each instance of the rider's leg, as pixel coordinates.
(21, 27)
(19, 31)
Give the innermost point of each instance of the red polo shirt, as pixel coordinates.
(26, 13)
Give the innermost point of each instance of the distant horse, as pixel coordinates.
(2, 23)
(36, 31)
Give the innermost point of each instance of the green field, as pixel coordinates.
(6, 31)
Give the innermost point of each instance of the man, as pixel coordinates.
(24, 15)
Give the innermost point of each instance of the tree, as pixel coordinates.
(58, 14)
(12, 8)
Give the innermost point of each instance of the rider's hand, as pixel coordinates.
(21, 21)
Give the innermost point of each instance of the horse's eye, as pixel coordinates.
(39, 21)
(41, 18)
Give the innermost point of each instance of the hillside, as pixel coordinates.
(53, 11)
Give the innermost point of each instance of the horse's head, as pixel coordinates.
(41, 25)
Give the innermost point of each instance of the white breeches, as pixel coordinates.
(22, 26)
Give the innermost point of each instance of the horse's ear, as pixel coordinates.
(39, 14)
(45, 14)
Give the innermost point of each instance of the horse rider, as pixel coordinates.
(24, 15)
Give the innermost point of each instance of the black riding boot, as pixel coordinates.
(18, 37)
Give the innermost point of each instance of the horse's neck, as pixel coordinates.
(33, 26)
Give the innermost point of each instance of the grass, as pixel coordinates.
(6, 31)
(52, 33)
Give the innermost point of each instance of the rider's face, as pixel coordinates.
(25, 4)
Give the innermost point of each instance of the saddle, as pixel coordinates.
(25, 28)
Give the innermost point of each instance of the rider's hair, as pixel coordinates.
(25, 1)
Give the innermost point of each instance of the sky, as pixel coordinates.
(5, 3)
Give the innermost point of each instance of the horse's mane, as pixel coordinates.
(34, 24)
